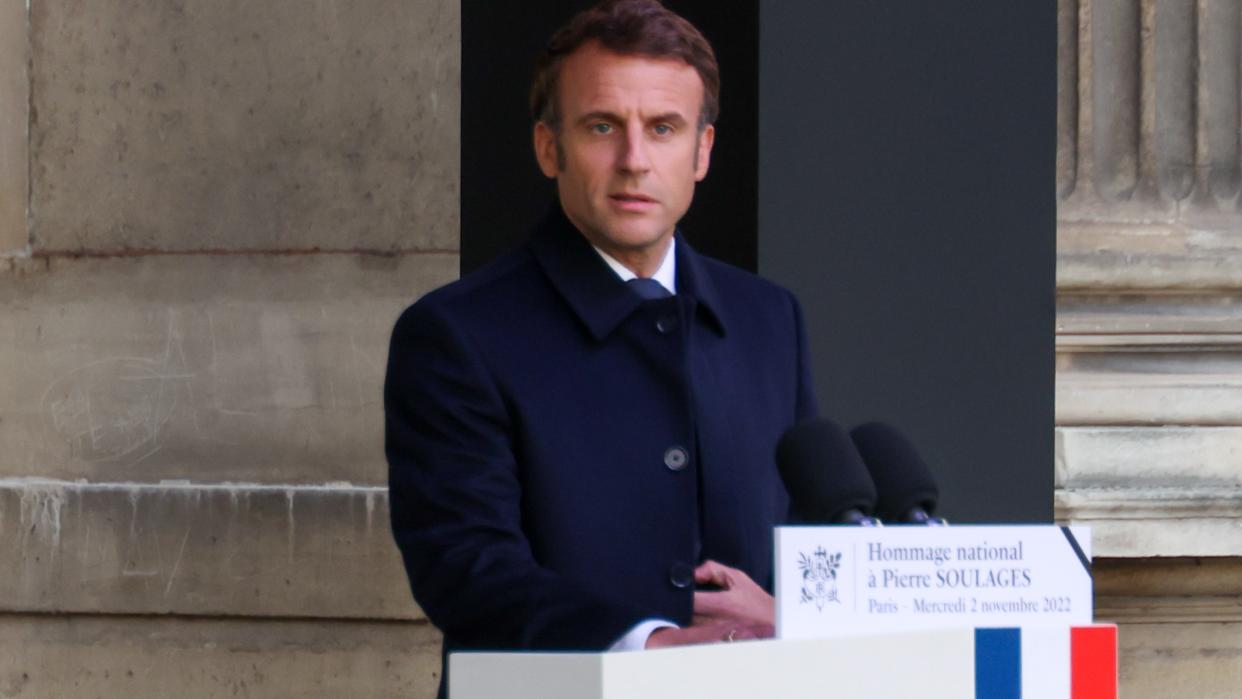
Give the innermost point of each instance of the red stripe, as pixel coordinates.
(1093, 662)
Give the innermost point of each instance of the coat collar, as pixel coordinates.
(597, 296)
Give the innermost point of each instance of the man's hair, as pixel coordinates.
(633, 27)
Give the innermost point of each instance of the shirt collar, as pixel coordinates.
(666, 274)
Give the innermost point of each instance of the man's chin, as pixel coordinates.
(635, 241)
(637, 234)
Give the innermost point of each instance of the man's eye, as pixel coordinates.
(662, 129)
(601, 128)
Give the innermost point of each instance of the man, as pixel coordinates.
(571, 452)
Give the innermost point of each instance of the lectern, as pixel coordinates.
(1005, 663)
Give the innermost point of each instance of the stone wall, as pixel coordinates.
(210, 215)
(1149, 342)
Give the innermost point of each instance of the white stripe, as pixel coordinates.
(1046, 662)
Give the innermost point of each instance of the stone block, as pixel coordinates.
(239, 125)
(1108, 320)
(1160, 661)
(202, 367)
(194, 550)
(1151, 457)
(14, 117)
(157, 658)
(1156, 522)
(1180, 624)
(1125, 255)
(1163, 577)
(1176, 384)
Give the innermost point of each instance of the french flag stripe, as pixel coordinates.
(1093, 652)
(998, 664)
(1046, 662)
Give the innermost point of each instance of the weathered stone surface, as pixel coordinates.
(1175, 383)
(1180, 632)
(1115, 97)
(1108, 320)
(1149, 323)
(1148, 158)
(1162, 578)
(245, 125)
(1156, 457)
(1168, 590)
(1160, 661)
(1152, 522)
(1149, 399)
(1156, 122)
(197, 435)
(1145, 257)
(156, 658)
(176, 548)
(202, 367)
(1067, 96)
(14, 113)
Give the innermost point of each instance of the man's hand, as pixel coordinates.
(740, 600)
(714, 632)
(740, 611)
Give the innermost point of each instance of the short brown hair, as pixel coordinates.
(635, 27)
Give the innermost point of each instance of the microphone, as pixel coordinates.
(907, 491)
(826, 479)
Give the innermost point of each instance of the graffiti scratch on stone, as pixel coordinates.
(177, 564)
(115, 409)
(110, 409)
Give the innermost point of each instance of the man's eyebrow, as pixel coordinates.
(598, 116)
(674, 118)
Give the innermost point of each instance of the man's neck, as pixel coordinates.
(643, 263)
(665, 272)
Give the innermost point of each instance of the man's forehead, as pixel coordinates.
(593, 76)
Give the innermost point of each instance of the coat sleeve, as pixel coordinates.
(455, 502)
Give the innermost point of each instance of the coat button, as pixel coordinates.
(676, 458)
(666, 325)
(681, 575)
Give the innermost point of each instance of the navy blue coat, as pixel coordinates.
(562, 453)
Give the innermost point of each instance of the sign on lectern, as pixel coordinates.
(840, 581)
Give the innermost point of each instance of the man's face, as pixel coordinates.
(630, 148)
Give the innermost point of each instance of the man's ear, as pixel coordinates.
(703, 157)
(545, 149)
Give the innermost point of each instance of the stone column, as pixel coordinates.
(1149, 374)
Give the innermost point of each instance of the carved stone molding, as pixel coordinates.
(1149, 415)
(1148, 152)
(1168, 590)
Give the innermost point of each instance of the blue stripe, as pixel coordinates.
(998, 664)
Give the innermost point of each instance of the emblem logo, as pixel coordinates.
(819, 577)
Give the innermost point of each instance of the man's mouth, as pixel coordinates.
(628, 197)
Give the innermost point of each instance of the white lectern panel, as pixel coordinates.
(929, 665)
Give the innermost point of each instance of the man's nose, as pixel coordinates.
(634, 155)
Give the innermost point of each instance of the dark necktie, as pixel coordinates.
(648, 288)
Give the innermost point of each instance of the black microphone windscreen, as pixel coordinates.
(823, 472)
(901, 477)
